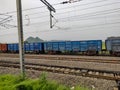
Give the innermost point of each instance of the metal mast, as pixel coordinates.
(20, 36)
(50, 8)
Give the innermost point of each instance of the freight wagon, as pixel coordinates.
(86, 47)
(3, 48)
(90, 47)
(28, 47)
(113, 45)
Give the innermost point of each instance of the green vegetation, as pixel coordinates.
(103, 45)
(9, 82)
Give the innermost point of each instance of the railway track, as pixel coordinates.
(102, 74)
(82, 59)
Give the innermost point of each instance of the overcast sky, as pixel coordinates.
(82, 20)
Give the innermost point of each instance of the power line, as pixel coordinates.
(72, 6)
(78, 18)
(84, 4)
(89, 8)
(84, 9)
(88, 14)
(105, 24)
(77, 6)
(81, 17)
(29, 9)
(94, 13)
(102, 24)
(53, 5)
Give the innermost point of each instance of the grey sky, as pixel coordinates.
(84, 20)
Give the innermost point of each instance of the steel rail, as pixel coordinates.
(101, 74)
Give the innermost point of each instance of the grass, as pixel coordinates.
(10, 82)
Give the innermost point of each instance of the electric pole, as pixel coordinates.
(50, 8)
(20, 36)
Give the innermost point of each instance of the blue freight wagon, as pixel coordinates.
(83, 46)
(14, 48)
(55, 46)
(10, 47)
(27, 47)
(38, 47)
(113, 45)
(94, 46)
(90, 47)
(68, 46)
(31, 45)
(62, 47)
(51, 47)
(48, 47)
(75, 46)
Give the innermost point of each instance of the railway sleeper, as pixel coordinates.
(67, 71)
(62, 70)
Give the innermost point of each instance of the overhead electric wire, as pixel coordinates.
(53, 5)
(99, 25)
(81, 17)
(96, 13)
(87, 14)
(84, 4)
(83, 9)
(71, 6)
(84, 16)
(29, 9)
(5, 14)
(60, 21)
(79, 9)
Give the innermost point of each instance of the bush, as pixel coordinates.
(9, 82)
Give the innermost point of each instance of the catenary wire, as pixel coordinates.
(53, 4)
(105, 24)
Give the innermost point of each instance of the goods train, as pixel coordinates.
(87, 47)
